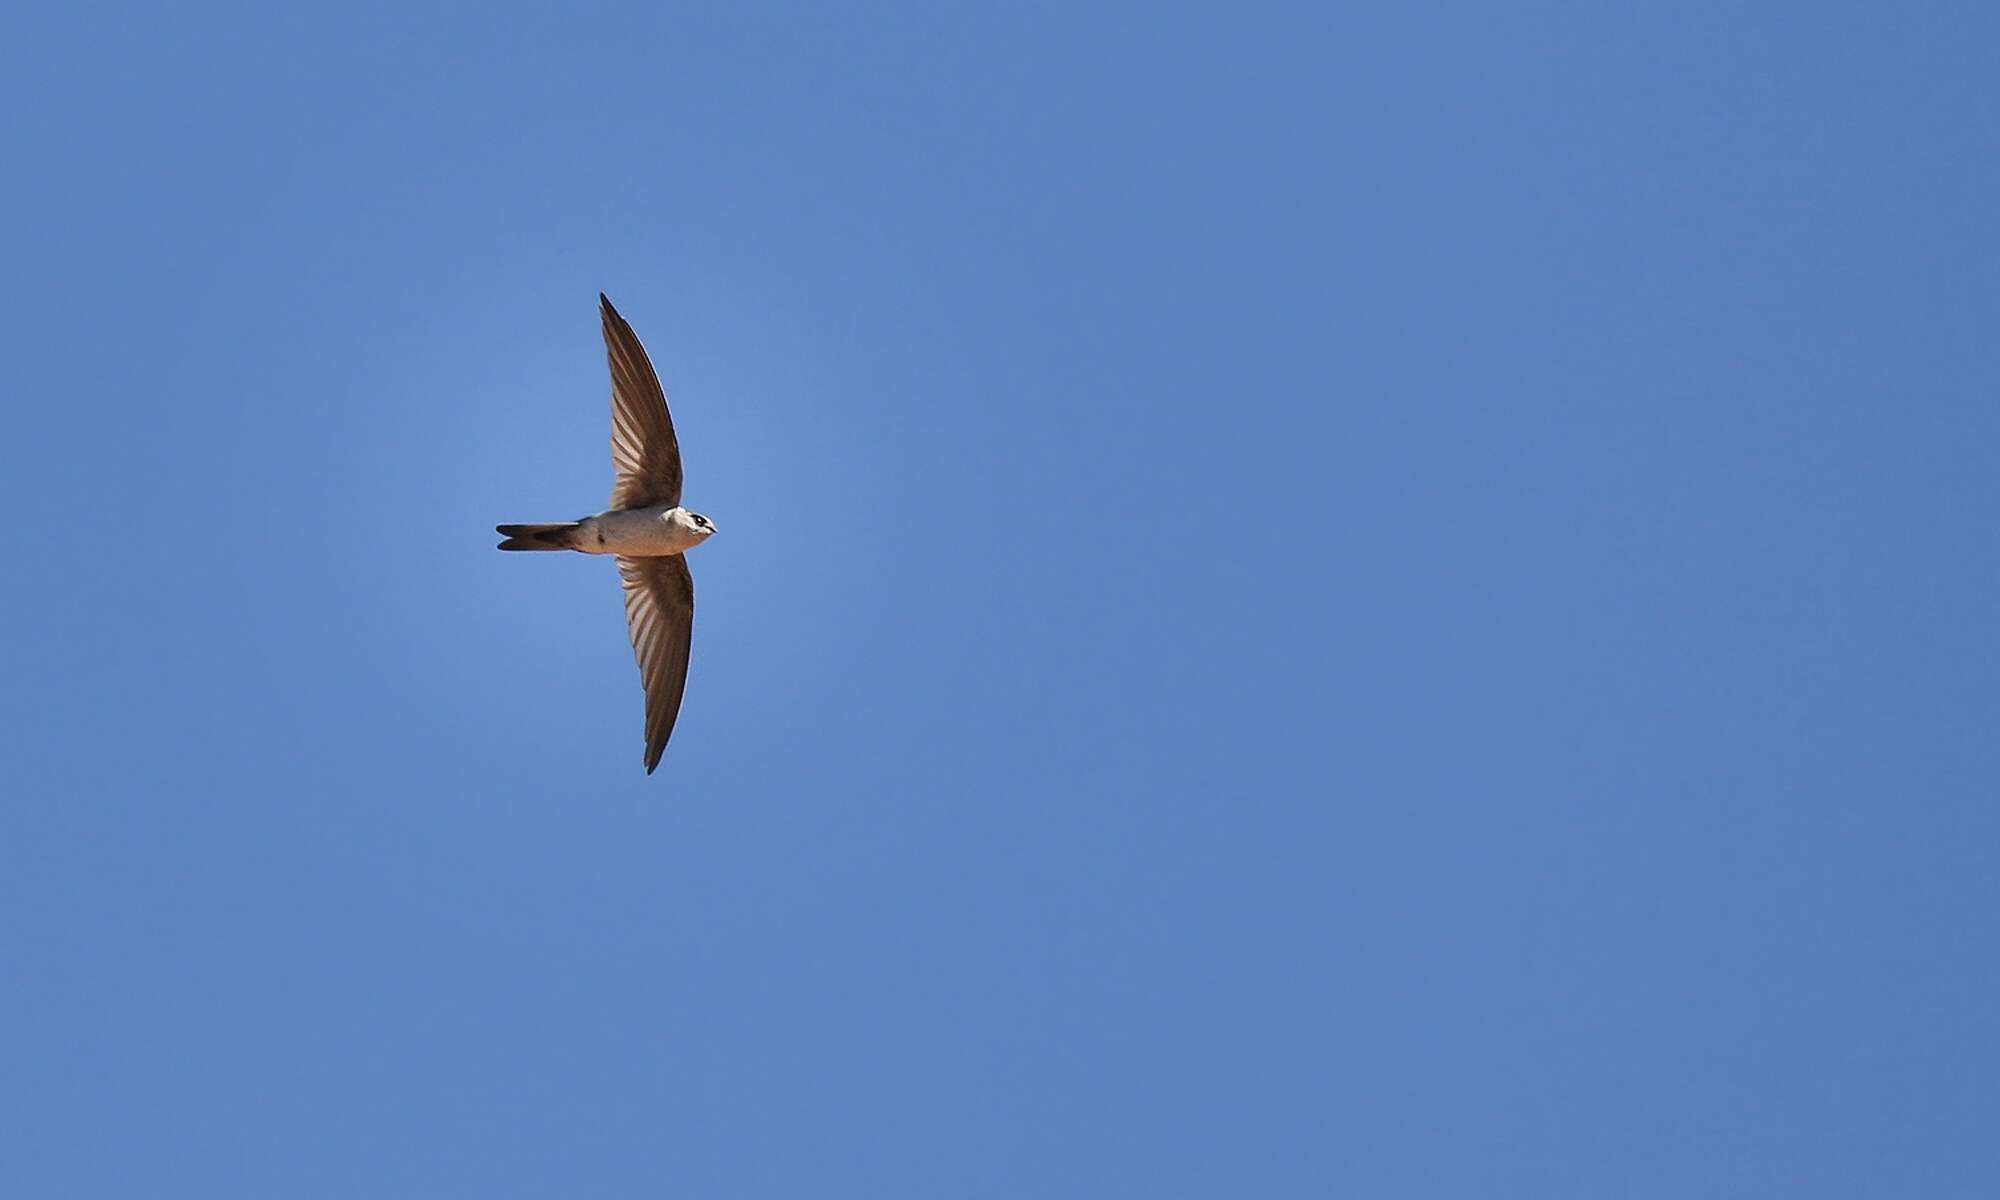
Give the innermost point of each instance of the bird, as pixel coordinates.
(646, 528)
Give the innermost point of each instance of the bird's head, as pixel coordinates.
(693, 525)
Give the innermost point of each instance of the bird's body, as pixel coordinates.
(647, 532)
(646, 528)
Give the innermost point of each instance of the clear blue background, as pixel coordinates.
(1378, 600)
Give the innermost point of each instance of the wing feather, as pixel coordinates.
(644, 451)
(659, 608)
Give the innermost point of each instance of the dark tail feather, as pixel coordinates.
(537, 537)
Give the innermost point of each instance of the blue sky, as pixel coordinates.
(1385, 600)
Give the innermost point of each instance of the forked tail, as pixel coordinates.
(537, 537)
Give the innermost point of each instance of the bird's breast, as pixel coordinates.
(637, 532)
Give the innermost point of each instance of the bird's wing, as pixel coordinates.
(659, 607)
(643, 447)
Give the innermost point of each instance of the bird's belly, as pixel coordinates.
(638, 532)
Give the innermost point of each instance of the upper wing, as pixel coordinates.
(643, 447)
(659, 607)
